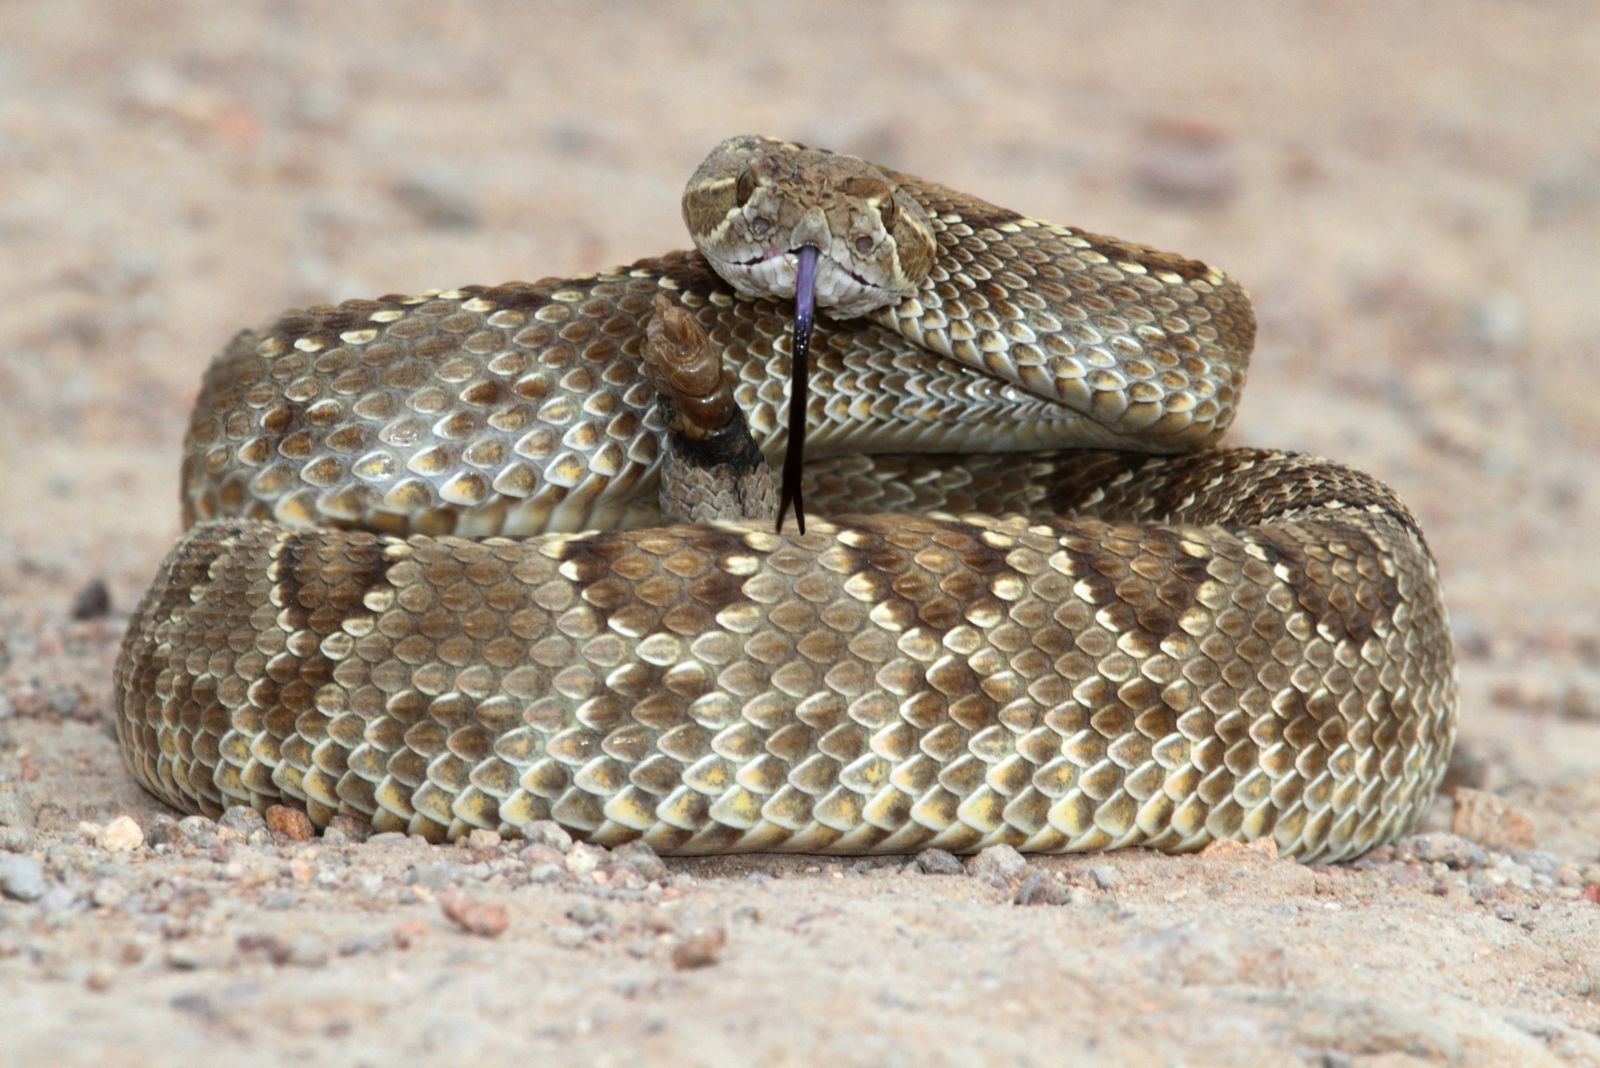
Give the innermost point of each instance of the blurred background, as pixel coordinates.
(1411, 193)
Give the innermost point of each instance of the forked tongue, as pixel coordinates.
(805, 286)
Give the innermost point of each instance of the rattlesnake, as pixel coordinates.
(1046, 609)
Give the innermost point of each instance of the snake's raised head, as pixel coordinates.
(756, 203)
(777, 219)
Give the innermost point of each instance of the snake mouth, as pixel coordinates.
(842, 293)
(787, 254)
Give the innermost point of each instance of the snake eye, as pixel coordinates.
(886, 211)
(745, 187)
(864, 244)
(760, 226)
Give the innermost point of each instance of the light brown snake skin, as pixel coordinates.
(1077, 650)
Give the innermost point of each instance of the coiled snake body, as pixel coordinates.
(999, 636)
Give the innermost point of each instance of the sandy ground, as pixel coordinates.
(1412, 193)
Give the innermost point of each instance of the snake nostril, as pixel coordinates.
(760, 226)
(864, 244)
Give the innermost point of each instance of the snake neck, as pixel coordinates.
(1149, 349)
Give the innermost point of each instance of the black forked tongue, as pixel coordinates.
(805, 286)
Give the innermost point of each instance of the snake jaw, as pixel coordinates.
(844, 292)
(823, 259)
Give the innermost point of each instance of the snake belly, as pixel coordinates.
(1046, 610)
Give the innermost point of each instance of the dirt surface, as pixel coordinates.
(1412, 194)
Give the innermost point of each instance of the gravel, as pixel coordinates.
(583, 858)
(997, 864)
(291, 823)
(1104, 876)
(547, 832)
(171, 174)
(21, 878)
(938, 862)
(122, 835)
(1442, 848)
(197, 830)
(641, 858)
(243, 819)
(346, 829)
(701, 949)
(1040, 888)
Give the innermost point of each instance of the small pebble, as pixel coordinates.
(1227, 848)
(547, 832)
(701, 949)
(473, 916)
(197, 830)
(1518, 875)
(482, 840)
(938, 862)
(534, 855)
(109, 894)
(1040, 889)
(190, 956)
(122, 835)
(21, 878)
(92, 602)
(346, 829)
(583, 911)
(291, 823)
(162, 830)
(997, 862)
(408, 933)
(439, 875)
(641, 858)
(361, 945)
(1440, 847)
(1106, 878)
(619, 875)
(584, 858)
(547, 873)
(242, 819)
(1538, 860)
(304, 951)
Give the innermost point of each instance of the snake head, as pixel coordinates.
(755, 203)
(830, 232)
